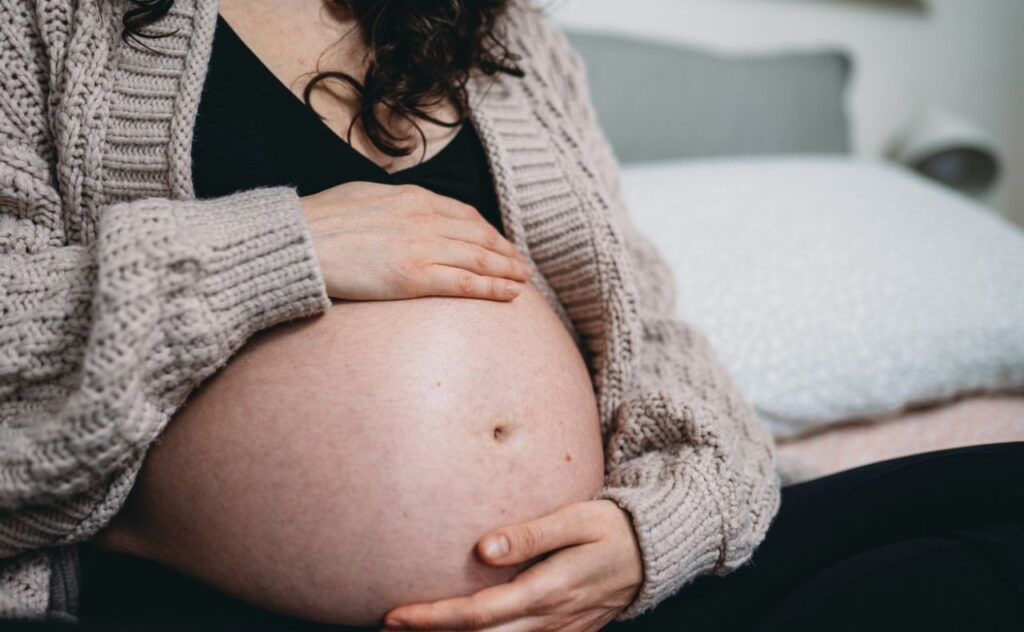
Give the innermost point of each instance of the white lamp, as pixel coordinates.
(948, 148)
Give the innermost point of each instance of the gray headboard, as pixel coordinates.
(661, 101)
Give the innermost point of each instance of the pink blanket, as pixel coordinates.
(971, 421)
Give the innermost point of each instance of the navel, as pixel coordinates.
(501, 432)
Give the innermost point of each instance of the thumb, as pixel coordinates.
(514, 544)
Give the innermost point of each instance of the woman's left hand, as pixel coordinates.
(592, 574)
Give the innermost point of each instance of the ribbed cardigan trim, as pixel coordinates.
(528, 177)
(147, 149)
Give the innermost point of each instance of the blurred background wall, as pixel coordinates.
(965, 56)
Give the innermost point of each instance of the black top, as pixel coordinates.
(253, 131)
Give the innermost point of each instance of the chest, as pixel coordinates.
(295, 41)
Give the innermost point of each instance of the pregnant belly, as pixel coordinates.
(341, 465)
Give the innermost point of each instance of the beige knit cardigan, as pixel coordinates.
(120, 292)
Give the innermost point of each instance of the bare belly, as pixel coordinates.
(345, 464)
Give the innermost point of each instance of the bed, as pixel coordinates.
(866, 313)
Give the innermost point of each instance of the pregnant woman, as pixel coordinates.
(313, 343)
(305, 303)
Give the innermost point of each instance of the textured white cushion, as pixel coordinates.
(835, 288)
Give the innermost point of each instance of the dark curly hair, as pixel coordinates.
(420, 54)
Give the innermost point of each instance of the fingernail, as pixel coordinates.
(512, 288)
(497, 547)
(395, 624)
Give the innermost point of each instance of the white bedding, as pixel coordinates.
(835, 288)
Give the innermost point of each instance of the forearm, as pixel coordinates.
(167, 293)
(693, 466)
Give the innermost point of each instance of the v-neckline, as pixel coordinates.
(311, 116)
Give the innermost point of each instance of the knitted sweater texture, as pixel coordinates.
(120, 292)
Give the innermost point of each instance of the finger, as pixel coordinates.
(480, 260)
(480, 232)
(443, 280)
(575, 523)
(492, 606)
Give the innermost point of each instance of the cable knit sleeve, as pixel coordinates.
(688, 460)
(101, 341)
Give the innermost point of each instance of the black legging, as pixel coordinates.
(933, 541)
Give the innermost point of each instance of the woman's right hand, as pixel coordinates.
(383, 242)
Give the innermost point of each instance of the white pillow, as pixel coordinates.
(835, 288)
